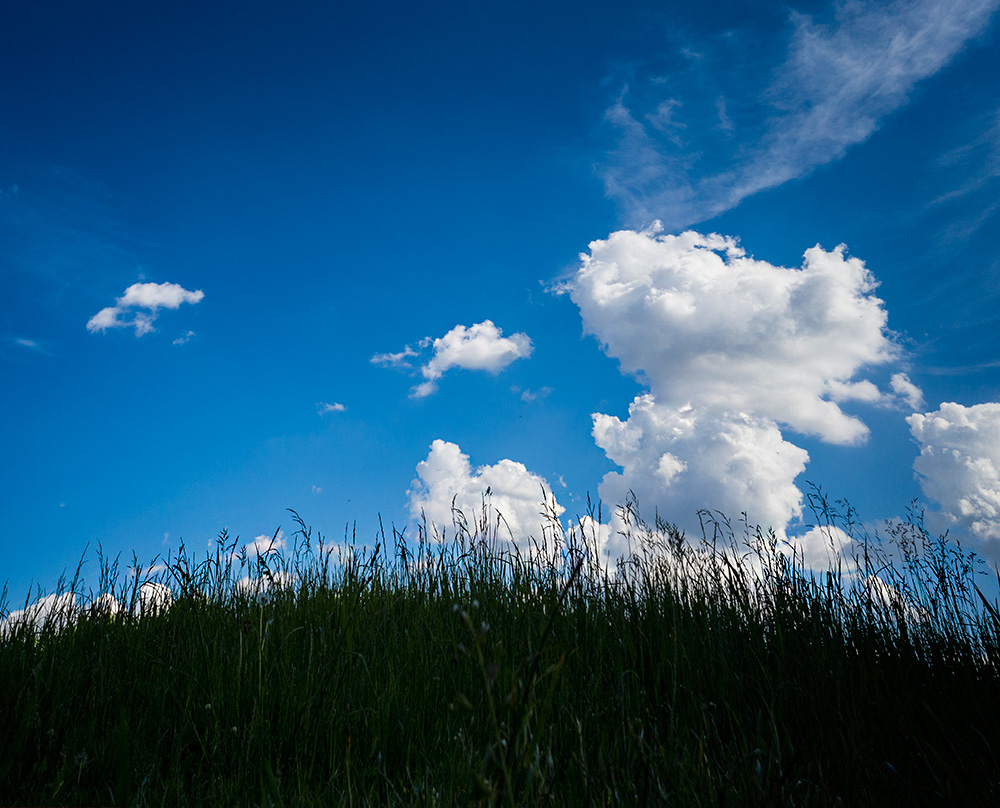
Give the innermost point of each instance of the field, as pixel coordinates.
(699, 671)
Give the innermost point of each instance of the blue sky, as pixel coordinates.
(359, 260)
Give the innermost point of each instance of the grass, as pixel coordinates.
(708, 672)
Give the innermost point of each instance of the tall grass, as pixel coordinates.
(716, 671)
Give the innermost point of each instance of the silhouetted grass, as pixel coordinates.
(709, 672)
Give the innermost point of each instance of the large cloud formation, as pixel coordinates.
(140, 306)
(829, 89)
(733, 350)
(477, 347)
(446, 479)
(959, 467)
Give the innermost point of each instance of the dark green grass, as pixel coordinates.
(708, 673)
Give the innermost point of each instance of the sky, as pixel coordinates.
(364, 261)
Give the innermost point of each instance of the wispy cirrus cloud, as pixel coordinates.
(395, 360)
(532, 395)
(696, 142)
(30, 345)
(140, 305)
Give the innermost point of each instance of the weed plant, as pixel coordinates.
(458, 670)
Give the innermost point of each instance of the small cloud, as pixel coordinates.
(423, 390)
(149, 296)
(725, 124)
(263, 546)
(477, 347)
(154, 598)
(317, 489)
(29, 345)
(105, 604)
(820, 548)
(147, 572)
(324, 408)
(891, 599)
(262, 589)
(907, 391)
(532, 395)
(184, 338)
(447, 485)
(395, 360)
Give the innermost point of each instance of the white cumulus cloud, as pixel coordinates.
(140, 305)
(263, 587)
(446, 476)
(153, 598)
(821, 548)
(680, 461)
(58, 611)
(959, 467)
(477, 347)
(733, 350)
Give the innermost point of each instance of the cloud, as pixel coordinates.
(733, 351)
(396, 360)
(265, 545)
(152, 569)
(149, 296)
(31, 345)
(602, 539)
(57, 611)
(820, 548)
(185, 338)
(324, 408)
(680, 460)
(700, 321)
(959, 467)
(262, 588)
(907, 391)
(154, 598)
(507, 488)
(477, 347)
(105, 604)
(531, 395)
(423, 390)
(722, 136)
(891, 601)
(62, 610)
(57, 229)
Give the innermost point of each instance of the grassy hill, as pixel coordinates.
(708, 672)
